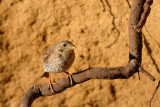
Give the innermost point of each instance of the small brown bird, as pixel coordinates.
(58, 58)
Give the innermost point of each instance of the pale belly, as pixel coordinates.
(55, 66)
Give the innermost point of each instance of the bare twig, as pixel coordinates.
(154, 93)
(147, 74)
(114, 25)
(57, 25)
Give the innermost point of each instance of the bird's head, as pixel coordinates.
(65, 45)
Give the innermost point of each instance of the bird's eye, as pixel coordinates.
(64, 45)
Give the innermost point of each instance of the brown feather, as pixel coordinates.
(48, 53)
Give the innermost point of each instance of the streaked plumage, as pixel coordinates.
(58, 58)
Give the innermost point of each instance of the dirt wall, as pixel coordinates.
(99, 30)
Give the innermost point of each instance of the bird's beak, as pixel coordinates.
(72, 47)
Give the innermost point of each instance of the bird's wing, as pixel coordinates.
(48, 53)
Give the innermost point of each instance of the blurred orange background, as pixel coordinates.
(99, 30)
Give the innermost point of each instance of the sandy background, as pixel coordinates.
(99, 30)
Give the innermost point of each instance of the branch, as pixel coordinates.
(92, 73)
(146, 11)
(124, 72)
(147, 74)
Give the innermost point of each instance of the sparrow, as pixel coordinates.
(58, 58)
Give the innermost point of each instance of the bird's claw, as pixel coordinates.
(70, 78)
(50, 86)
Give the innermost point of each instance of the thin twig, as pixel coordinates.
(154, 94)
(57, 25)
(147, 74)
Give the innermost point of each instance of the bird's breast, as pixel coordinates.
(59, 64)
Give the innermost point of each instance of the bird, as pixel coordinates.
(58, 58)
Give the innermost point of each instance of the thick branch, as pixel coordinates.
(135, 38)
(80, 77)
(93, 73)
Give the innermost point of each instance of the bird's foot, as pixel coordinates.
(50, 86)
(69, 76)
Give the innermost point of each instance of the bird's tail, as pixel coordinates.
(45, 74)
